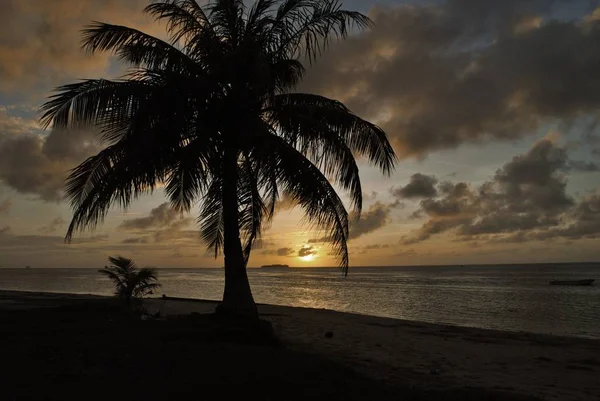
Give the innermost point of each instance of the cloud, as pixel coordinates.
(420, 186)
(39, 40)
(319, 240)
(408, 253)
(39, 50)
(163, 224)
(373, 247)
(370, 196)
(583, 222)
(12, 125)
(161, 216)
(372, 220)
(376, 217)
(175, 232)
(5, 206)
(38, 243)
(376, 246)
(37, 165)
(135, 240)
(179, 255)
(525, 200)
(54, 225)
(583, 166)
(306, 251)
(279, 252)
(435, 76)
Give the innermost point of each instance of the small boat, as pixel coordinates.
(588, 281)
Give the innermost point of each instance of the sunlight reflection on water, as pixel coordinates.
(510, 298)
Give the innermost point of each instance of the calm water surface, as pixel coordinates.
(515, 298)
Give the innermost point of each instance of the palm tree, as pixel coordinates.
(213, 115)
(130, 283)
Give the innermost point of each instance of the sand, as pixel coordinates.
(436, 356)
(419, 354)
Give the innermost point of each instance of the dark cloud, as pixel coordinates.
(373, 247)
(319, 240)
(583, 221)
(525, 200)
(180, 255)
(163, 224)
(161, 216)
(375, 218)
(420, 186)
(584, 167)
(279, 252)
(369, 197)
(14, 242)
(135, 240)
(5, 206)
(408, 253)
(175, 232)
(462, 71)
(307, 251)
(54, 225)
(37, 165)
(39, 39)
(376, 246)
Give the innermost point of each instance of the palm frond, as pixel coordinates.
(190, 174)
(144, 282)
(227, 17)
(306, 27)
(135, 47)
(309, 188)
(118, 174)
(211, 217)
(260, 9)
(252, 208)
(300, 110)
(93, 101)
(185, 18)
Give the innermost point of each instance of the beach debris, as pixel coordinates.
(329, 334)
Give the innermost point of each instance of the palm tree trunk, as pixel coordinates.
(237, 296)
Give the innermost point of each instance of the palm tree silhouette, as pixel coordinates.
(212, 114)
(130, 282)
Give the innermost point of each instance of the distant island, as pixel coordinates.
(274, 266)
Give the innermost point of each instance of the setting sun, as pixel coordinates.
(307, 258)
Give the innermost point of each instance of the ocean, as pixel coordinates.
(512, 297)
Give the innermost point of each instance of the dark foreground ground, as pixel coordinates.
(91, 350)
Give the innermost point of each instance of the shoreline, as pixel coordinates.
(73, 295)
(424, 355)
(47, 295)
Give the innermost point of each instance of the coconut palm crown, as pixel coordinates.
(213, 115)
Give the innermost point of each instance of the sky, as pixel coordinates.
(492, 107)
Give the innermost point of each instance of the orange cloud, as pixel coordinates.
(39, 40)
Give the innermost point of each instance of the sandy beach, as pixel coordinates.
(420, 355)
(436, 356)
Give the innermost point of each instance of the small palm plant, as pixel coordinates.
(131, 283)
